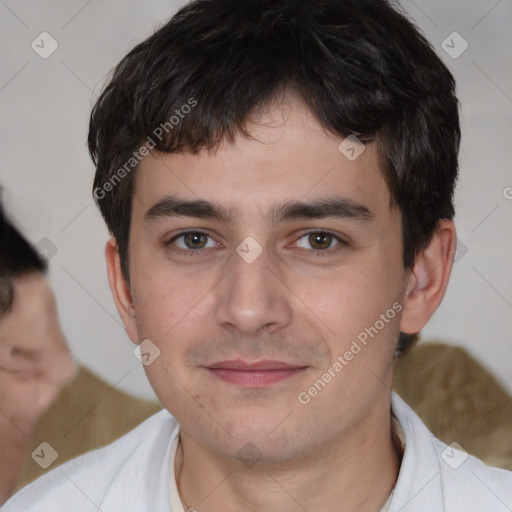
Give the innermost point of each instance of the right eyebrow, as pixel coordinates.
(172, 206)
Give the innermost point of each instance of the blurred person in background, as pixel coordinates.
(35, 361)
(45, 396)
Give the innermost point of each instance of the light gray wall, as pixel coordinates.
(47, 174)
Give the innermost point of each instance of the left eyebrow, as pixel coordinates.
(333, 207)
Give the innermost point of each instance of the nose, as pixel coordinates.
(252, 297)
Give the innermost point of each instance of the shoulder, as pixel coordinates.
(470, 482)
(83, 483)
(437, 475)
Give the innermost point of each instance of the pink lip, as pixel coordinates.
(239, 364)
(257, 374)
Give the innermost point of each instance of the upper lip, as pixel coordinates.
(239, 364)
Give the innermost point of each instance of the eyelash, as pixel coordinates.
(316, 252)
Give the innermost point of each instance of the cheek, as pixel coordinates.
(363, 317)
(165, 300)
(175, 386)
(355, 297)
(361, 307)
(19, 401)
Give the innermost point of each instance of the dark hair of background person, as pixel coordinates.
(360, 66)
(17, 258)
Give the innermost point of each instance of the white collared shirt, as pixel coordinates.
(136, 473)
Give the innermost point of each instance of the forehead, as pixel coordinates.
(289, 156)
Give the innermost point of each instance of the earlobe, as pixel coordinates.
(429, 278)
(120, 290)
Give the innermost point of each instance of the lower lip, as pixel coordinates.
(254, 378)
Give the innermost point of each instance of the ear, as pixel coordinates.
(429, 278)
(120, 290)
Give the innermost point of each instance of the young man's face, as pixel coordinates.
(301, 302)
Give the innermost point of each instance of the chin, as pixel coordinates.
(262, 428)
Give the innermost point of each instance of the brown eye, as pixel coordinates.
(320, 240)
(191, 243)
(194, 240)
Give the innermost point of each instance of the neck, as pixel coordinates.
(358, 470)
